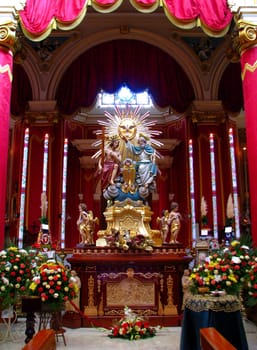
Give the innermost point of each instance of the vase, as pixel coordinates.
(203, 290)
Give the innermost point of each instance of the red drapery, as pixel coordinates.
(249, 76)
(141, 66)
(39, 17)
(159, 73)
(6, 63)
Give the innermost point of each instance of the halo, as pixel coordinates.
(112, 122)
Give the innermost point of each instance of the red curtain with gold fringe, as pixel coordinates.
(39, 18)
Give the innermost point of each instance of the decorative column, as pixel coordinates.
(246, 20)
(8, 24)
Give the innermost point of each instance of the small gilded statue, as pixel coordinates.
(174, 222)
(86, 224)
(163, 223)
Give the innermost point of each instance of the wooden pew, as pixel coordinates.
(211, 339)
(43, 340)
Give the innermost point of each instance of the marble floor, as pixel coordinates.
(95, 339)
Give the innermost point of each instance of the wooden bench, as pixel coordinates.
(211, 339)
(43, 340)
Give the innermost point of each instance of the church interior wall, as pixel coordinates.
(198, 81)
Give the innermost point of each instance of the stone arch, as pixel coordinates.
(179, 52)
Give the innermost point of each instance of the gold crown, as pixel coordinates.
(113, 138)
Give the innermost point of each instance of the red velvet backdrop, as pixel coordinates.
(125, 61)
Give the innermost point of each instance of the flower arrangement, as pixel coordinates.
(53, 283)
(129, 240)
(231, 269)
(239, 257)
(251, 286)
(16, 270)
(216, 275)
(132, 327)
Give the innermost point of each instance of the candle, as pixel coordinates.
(23, 187)
(45, 164)
(213, 187)
(64, 182)
(192, 189)
(234, 182)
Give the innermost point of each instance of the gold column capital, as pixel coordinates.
(9, 22)
(245, 34)
(8, 34)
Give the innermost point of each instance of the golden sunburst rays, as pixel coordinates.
(126, 123)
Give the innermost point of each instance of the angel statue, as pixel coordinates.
(163, 222)
(174, 222)
(86, 223)
(109, 166)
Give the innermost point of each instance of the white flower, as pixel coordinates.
(236, 260)
(5, 280)
(17, 286)
(56, 295)
(2, 288)
(59, 283)
(217, 278)
(47, 286)
(50, 278)
(15, 267)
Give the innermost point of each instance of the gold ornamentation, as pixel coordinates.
(90, 309)
(131, 292)
(32, 117)
(226, 303)
(170, 309)
(7, 34)
(247, 35)
(6, 69)
(123, 216)
(249, 68)
(216, 117)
